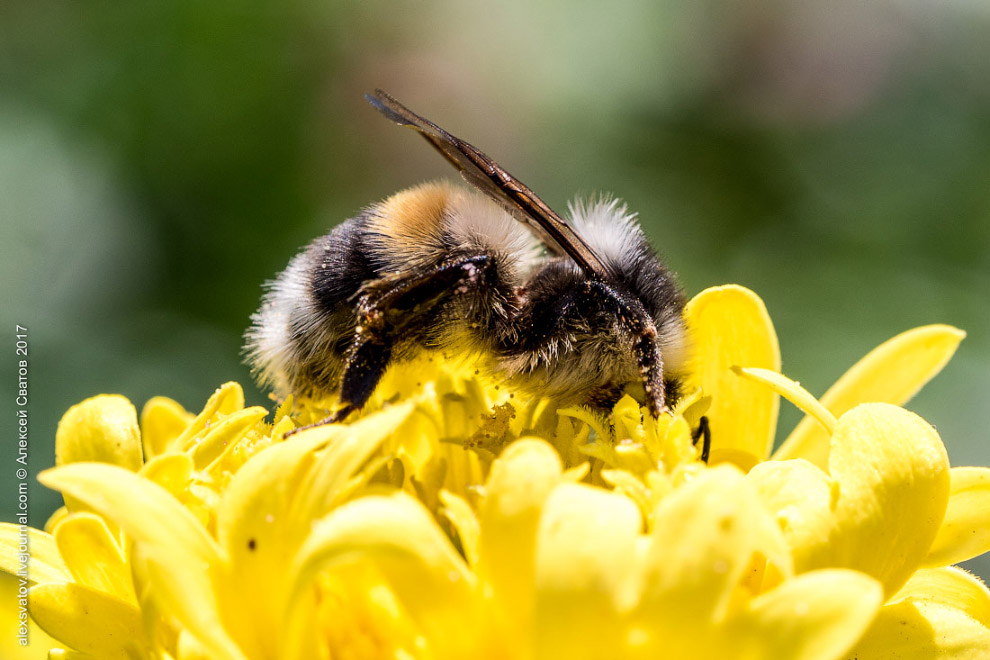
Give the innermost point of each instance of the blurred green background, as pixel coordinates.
(160, 160)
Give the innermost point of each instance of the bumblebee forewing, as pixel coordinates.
(490, 178)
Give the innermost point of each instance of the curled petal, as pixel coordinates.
(186, 591)
(93, 556)
(815, 616)
(891, 373)
(465, 522)
(519, 483)
(270, 506)
(87, 620)
(965, 532)
(729, 327)
(162, 421)
(791, 391)
(705, 536)
(801, 497)
(143, 509)
(893, 487)
(400, 536)
(171, 471)
(228, 398)
(585, 578)
(324, 485)
(225, 434)
(104, 429)
(256, 527)
(44, 562)
(950, 586)
(923, 630)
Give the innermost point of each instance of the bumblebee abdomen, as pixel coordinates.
(299, 336)
(426, 224)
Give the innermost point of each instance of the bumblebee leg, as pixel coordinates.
(705, 432)
(385, 315)
(338, 415)
(650, 363)
(386, 309)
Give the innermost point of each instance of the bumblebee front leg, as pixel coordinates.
(387, 311)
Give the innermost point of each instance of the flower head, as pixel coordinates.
(454, 520)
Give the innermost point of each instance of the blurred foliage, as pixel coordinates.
(159, 160)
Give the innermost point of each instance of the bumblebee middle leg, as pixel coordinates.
(387, 310)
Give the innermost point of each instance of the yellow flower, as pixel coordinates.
(553, 568)
(291, 561)
(452, 520)
(861, 483)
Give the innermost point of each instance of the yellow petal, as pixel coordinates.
(93, 556)
(103, 428)
(891, 373)
(705, 534)
(256, 528)
(801, 497)
(462, 518)
(741, 459)
(226, 433)
(593, 420)
(44, 562)
(815, 616)
(87, 620)
(921, 630)
(183, 590)
(517, 487)
(793, 392)
(281, 427)
(13, 629)
(627, 419)
(631, 487)
(162, 421)
(965, 532)
(322, 486)
(585, 576)
(143, 509)
(950, 586)
(356, 615)
(228, 398)
(171, 471)
(414, 554)
(53, 520)
(729, 326)
(893, 486)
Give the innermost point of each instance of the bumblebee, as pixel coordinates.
(577, 310)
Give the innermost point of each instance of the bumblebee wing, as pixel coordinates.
(488, 176)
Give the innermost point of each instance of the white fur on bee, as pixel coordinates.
(608, 226)
(269, 339)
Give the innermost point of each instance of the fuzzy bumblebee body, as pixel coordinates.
(573, 311)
